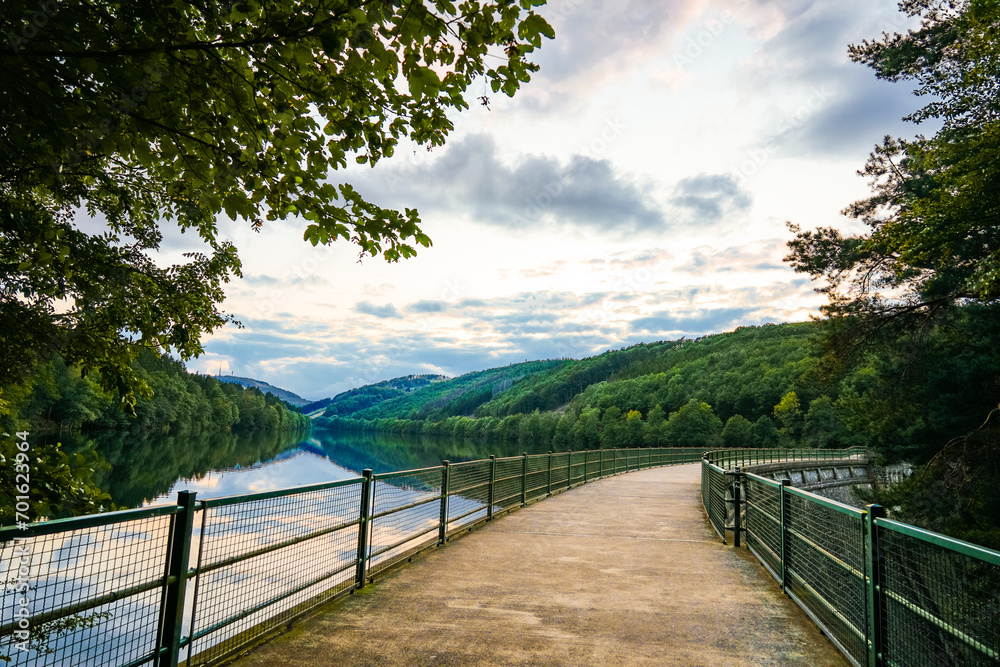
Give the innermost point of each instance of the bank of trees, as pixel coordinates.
(60, 398)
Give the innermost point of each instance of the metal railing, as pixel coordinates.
(200, 581)
(886, 593)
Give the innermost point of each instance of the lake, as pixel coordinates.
(150, 470)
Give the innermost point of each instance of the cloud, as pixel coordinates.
(597, 41)
(711, 197)
(388, 311)
(855, 120)
(427, 307)
(825, 104)
(706, 321)
(537, 190)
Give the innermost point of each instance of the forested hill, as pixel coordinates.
(359, 398)
(58, 397)
(435, 398)
(756, 386)
(265, 388)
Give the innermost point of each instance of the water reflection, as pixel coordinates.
(148, 469)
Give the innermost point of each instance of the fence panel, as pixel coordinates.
(508, 482)
(594, 464)
(560, 470)
(93, 591)
(538, 476)
(577, 460)
(406, 515)
(468, 493)
(940, 599)
(825, 567)
(763, 521)
(715, 491)
(608, 463)
(263, 561)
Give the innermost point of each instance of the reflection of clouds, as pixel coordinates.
(82, 565)
(302, 468)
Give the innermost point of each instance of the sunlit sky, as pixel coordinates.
(636, 190)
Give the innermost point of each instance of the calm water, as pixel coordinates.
(150, 470)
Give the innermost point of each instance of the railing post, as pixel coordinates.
(443, 530)
(363, 527)
(569, 468)
(524, 479)
(548, 483)
(781, 508)
(586, 463)
(172, 601)
(737, 502)
(873, 582)
(493, 486)
(602, 463)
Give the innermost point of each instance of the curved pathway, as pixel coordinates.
(622, 571)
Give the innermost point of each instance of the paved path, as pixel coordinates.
(622, 571)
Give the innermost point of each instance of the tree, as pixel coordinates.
(184, 111)
(738, 432)
(765, 433)
(934, 238)
(694, 425)
(586, 432)
(822, 426)
(655, 423)
(633, 429)
(788, 412)
(68, 488)
(612, 428)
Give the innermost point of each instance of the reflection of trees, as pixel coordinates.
(146, 466)
(388, 452)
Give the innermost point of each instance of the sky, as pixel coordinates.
(636, 190)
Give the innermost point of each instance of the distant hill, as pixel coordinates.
(430, 396)
(360, 398)
(264, 387)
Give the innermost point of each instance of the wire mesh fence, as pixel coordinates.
(825, 567)
(233, 570)
(106, 579)
(715, 497)
(102, 587)
(264, 561)
(406, 515)
(763, 521)
(884, 592)
(469, 494)
(940, 602)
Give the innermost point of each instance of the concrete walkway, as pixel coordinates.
(622, 571)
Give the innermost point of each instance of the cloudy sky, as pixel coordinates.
(636, 190)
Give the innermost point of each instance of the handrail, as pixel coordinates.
(886, 593)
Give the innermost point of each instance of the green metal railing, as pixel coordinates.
(886, 593)
(200, 581)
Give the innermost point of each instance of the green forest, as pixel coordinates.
(87, 436)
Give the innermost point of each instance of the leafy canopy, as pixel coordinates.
(145, 114)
